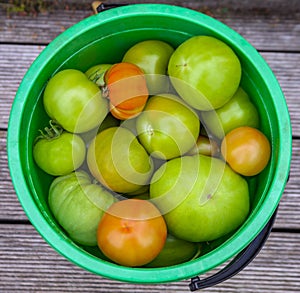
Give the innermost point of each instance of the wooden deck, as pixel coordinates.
(29, 264)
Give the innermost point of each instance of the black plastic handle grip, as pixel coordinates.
(106, 6)
(238, 263)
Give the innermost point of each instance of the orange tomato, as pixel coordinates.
(127, 89)
(132, 232)
(247, 150)
(124, 114)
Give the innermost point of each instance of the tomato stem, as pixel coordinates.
(52, 132)
(97, 78)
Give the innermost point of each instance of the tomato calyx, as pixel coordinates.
(97, 78)
(50, 133)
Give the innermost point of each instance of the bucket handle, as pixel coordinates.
(99, 6)
(238, 263)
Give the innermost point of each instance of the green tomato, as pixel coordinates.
(118, 161)
(238, 111)
(205, 146)
(59, 155)
(74, 101)
(96, 73)
(201, 197)
(175, 251)
(152, 56)
(167, 127)
(78, 205)
(205, 72)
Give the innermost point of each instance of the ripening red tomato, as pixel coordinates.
(132, 232)
(247, 150)
(127, 90)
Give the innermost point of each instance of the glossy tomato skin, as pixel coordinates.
(78, 205)
(60, 155)
(74, 101)
(117, 160)
(152, 56)
(238, 111)
(205, 72)
(132, 232)
(175, 251)
(167, 127)
(247, 150)
(127, 90)
(201, 197)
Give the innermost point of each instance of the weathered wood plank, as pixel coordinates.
(28, 264)
(289, 207)
(287, 74)
(287, 218)
(10, 208)
(14, 62)
(16, 59)
(275, 23)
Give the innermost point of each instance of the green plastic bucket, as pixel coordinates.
(103, 38)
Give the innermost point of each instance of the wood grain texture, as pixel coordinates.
(275, 23)
(14, 62)
(29, 264)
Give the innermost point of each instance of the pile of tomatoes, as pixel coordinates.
(114, 125)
